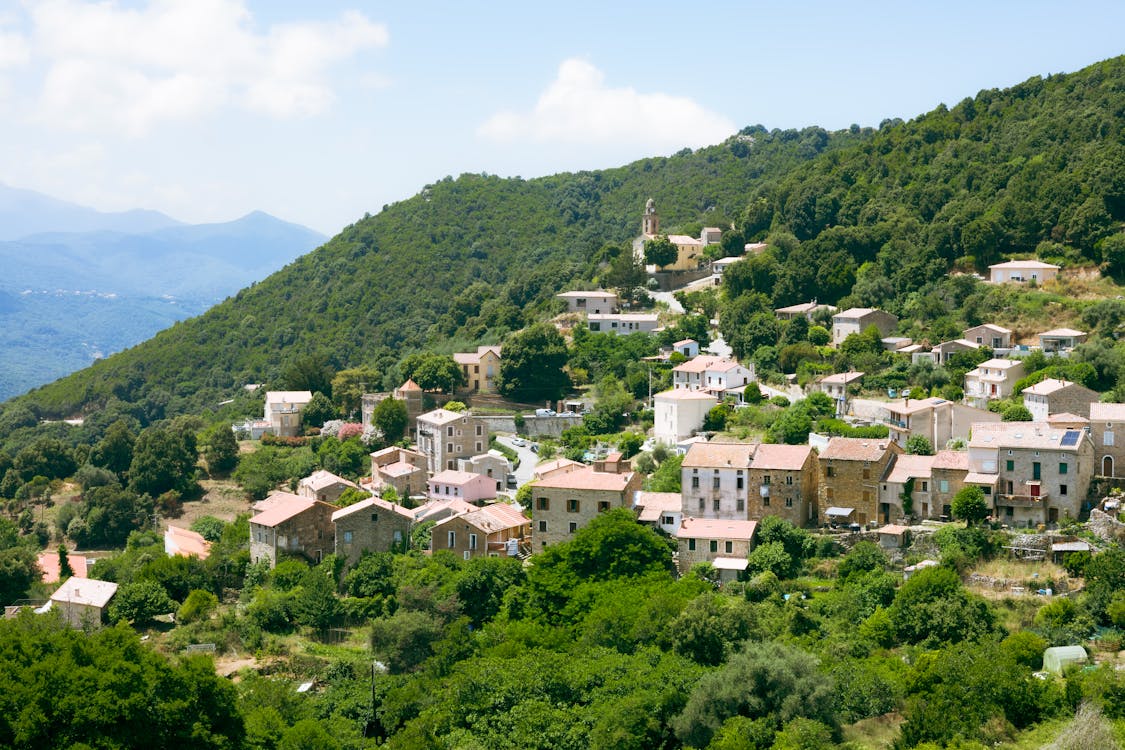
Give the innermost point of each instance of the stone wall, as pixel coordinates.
(533, 426)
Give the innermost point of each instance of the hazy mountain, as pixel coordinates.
(68, 298)
(24, 212)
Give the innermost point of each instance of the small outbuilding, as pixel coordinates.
(1057, 658)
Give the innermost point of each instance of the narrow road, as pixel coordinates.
(672, 302)
(528, 459)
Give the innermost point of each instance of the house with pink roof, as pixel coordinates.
(292, 525)
(49, 563)
(496, 530)
(186, 543)
(480, 368)
(725, 544)
(1022, 271)
(371, 525)
(472, 488)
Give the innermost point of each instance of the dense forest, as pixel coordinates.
(871, 216)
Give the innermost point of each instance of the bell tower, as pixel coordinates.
(650, 224)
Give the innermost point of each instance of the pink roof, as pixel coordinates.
(453, 477)
(721, 455)
(893, 530)
(907, 466)
(186, 543)
(653, 505)
(1107, 412)
(283, 510)
(1024, 264)
(1066, 418)
(1047, 386)
(685, 342)
(684, 394)
(952, 460)
(705, 363)
(556, 465)
(683, 239)
(842, 378)
(780, 457)
(410, 385)
(492, 518)
(321, 479)
(274, 499)
(400, 469)
(712, 528)
(49, 564)
(586, 479)
(856, 449)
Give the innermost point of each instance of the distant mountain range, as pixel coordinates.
(80, 284)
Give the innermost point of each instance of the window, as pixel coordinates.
(603, 506)
(1107, 438)
(667, 520)
(452, 539)
(1062, 468)
(695, 483)
(944, 485)
(449, 432)
(468, 555)
(715, 482)
(740, 483)
(702, 505)
(398, 536)
(728, 547)
(925, 486)
(374, 517)
(766, 480)
(1009, 465)
(788, 502)
(542, 503)
(766, 501)
(789, 479)
(1062, 489)
(480, 430)
(543, 526)
(715, 504)
(691, 545)
(827, 493)
(479, 446)
(830, 471)
(573, 527)
(714, 545)
(571, 506)
(741, 505)
(449, 447)
(472, 541)
(866, 471)
(347, 537)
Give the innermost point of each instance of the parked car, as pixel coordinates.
(545, 413)
(534, 447)
(519, 442)
(512, 482)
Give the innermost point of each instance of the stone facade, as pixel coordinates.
(858, 320)
(1107, 425)
(783, 482)
(296, 528)
(850, 472)
(371, 525)
(566, 502)
(948, 476)
(445, 436)
(706, 540)
(497, 530)
(1052, 396)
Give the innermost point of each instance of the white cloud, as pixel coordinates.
(111, 67)
(578, 107)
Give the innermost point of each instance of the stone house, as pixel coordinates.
(82, 602)
(904, 468)
(566, 502)
(496, 530)
(283, 411)
(371, 525)
(993, 336)
(678, 414)
(724, 544)
(850, 473)
(992, 380)
(598, 302)
(783, 482)
(948, 473)
(400, 468)
(492, 464)
(1031, 473)
(472, 488)
(292, 525)
(445, 436)
(1022, 271)
(714, 480)
(1052, 396)
(324, 486)
(661, 510)
(858, 320)
(1107, 425)
(480, 368)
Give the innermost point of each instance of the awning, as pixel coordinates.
(839, 512)
(730, 563)
(975, 477)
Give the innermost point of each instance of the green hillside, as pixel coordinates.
(867, 217)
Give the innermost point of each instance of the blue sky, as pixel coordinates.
(320, 112)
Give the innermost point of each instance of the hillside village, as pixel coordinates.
(805, 475)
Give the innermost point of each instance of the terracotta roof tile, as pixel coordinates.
(719, 455)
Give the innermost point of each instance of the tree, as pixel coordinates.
(532, 367)
(318, 411)
(348, 387)
(862, 558)
(310, 372)
(198, 605)
(919, 445)
(138, 603)
(792, 426)
(660, 252)
(209, 527)
(220, 449)
(626, 274)
(315, 603)
(969, 504)
(767, 681)
(434, 372)
(164, 459)
(1016, 413)
(932, 609)
(65, 571)
(391, 418)
(115, 450)
(18, 570)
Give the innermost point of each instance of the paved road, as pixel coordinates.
(673, 304)
(528, 459)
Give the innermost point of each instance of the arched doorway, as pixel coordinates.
(1107, 466)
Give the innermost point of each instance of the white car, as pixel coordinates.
(519, 442)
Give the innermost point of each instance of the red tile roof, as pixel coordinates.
(780, 457)
(856, 449)
(284, 510)
(586, 479)
(712, 528)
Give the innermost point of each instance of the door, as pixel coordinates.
(1107, 466)
(1034, 490)
(1036, 471)
(1053, 515)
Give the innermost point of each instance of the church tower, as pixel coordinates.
(650, 224)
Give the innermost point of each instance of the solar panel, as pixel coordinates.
(1070, 437)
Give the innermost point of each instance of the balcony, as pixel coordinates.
(1022, 501)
